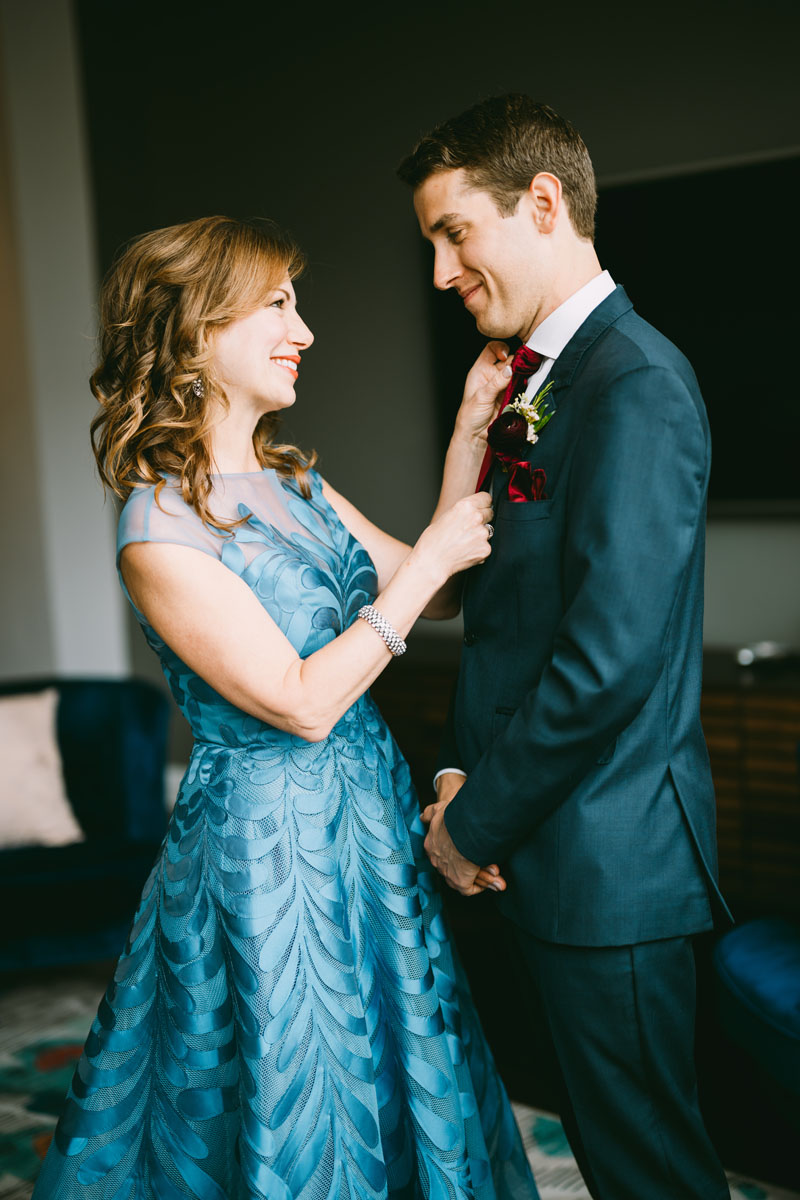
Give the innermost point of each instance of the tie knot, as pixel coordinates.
(525, 362)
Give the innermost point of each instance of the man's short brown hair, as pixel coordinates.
(501, 143)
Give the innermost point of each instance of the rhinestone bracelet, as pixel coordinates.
(381, 625)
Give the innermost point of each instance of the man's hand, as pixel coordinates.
(461, 874)
(448, 784)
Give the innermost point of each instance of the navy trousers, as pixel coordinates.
(622, 1024)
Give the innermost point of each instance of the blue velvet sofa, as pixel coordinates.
(72, 904)
(758, 985)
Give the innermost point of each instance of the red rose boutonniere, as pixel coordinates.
(509, 435)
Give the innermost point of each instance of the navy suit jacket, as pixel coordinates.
(576, 712)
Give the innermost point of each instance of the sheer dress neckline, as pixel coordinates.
(238, 474)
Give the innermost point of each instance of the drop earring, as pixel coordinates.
(198, 389)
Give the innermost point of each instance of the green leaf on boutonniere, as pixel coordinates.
(535, 415)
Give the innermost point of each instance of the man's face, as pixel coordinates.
(493, 262)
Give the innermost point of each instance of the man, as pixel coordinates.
(574, 755)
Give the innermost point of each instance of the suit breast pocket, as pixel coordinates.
(528, 510)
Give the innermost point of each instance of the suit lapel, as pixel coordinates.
(561, 375)
(598, 321)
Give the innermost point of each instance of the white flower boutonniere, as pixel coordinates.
(535, 413)
(520, 423)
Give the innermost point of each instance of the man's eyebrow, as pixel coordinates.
(446, 219)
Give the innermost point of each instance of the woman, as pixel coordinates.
(287, 1018)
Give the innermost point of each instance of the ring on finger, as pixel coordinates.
(490, 530)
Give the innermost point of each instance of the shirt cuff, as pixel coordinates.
(448, 771)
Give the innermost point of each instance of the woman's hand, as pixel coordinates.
(457, 539)
(485, 384)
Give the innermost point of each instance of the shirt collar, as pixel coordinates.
(550, 338)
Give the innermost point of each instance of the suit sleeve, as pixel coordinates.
(449, 755)
(636, 501)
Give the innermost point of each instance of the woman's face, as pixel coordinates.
(257, 357)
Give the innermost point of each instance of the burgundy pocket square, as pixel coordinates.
(526, 483)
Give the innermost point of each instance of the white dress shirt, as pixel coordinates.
(549, 339)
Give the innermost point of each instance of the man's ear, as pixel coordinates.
(544, 191)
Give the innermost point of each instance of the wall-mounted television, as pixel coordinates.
(712, 259)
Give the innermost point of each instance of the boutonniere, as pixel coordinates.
(518, 426)
(509, 435)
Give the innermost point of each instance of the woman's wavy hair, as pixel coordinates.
(162, 300)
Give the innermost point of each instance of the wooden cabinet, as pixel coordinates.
(751, 719)
(413, 693)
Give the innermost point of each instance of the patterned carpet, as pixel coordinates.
(42, 1030)
(559, 1179)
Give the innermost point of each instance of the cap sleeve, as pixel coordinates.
(169, 519)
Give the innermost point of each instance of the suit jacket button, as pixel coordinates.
(470, 638)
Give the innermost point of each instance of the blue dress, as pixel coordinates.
(288, 1018)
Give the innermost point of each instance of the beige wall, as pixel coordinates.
(25, 641)
(752, 582)
(61, 608)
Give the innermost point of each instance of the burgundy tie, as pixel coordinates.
(523, 365)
